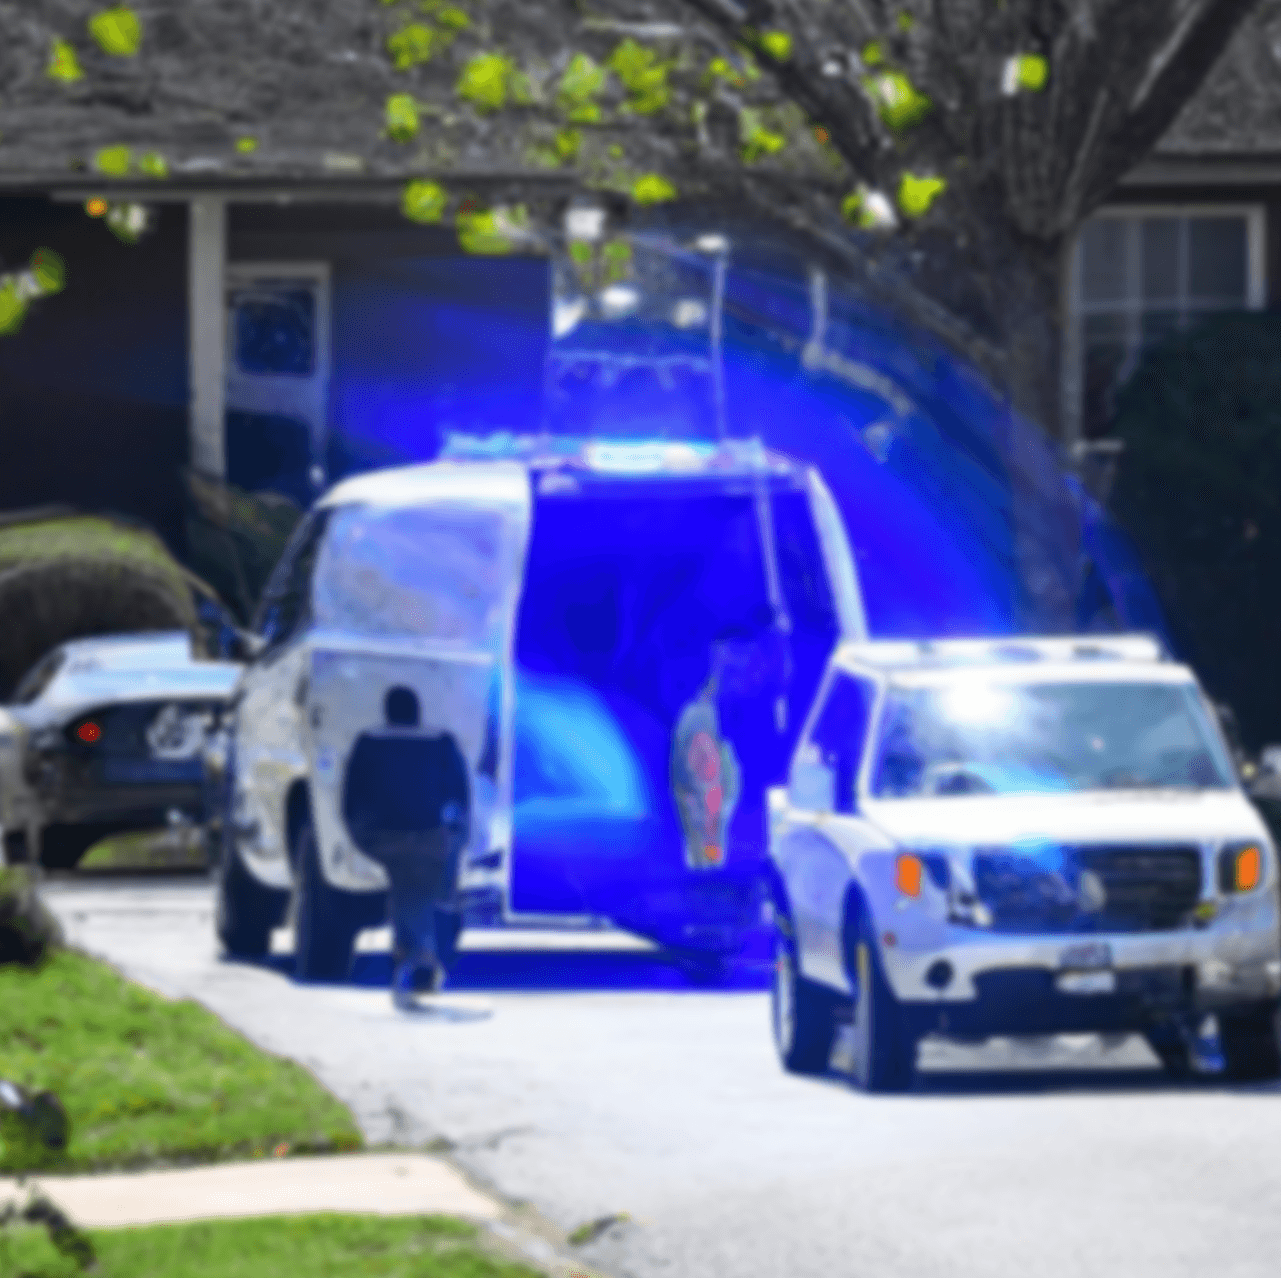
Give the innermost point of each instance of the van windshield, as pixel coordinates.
(993, 738)
(432, 572)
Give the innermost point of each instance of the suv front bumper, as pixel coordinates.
(979, 982)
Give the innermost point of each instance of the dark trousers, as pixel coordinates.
(422, 870)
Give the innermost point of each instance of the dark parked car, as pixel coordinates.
(105, 735)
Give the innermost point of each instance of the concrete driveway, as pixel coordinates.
(664, 1104)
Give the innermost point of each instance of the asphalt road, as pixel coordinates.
(641, 1097)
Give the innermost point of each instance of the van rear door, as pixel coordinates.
(419, 595)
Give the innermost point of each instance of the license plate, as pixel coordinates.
(1086, 982)
(1089, 957)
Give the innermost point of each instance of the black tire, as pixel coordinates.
(884, 1046)
(802, 1012)
(245, 910)
(1251, 1042)
(1171, 1049)
(326, 920)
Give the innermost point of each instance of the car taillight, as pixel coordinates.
(88, 732)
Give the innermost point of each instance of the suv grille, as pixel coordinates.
(1090, 888)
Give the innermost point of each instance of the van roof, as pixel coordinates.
(494, 470)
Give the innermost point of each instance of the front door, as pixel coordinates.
(277, 376)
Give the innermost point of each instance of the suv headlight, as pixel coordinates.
(1240, 867)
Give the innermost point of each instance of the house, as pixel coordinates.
(279, 321)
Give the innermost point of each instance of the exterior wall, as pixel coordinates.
(424, 340)
(93, 388)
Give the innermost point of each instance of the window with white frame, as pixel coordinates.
(1139, 274)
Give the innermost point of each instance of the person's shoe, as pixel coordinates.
(403, 997)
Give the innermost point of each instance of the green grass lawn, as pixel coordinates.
(179, 849)
(320, 1246)
(145, 1079)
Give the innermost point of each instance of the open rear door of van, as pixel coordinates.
(420, 593)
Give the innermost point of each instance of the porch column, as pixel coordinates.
(206, 262)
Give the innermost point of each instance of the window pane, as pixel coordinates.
(1105, 349)
(1160, 259)
(431, 571)
(1216, 259)
(1158, 325)
(275, 329)
(1103, 257)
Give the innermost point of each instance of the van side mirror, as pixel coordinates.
(813, 784)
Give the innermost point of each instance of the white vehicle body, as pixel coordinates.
(1024, 911)
(413, 578)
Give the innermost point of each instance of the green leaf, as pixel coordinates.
(757, 141)
(114, 160)
(642, 75)
(1033, 72)
(153, 164)
(423, 202)
(778, 44)
(454, 19)
(402, 117)
(117, 31)
(652, 189)
(13, 307)
(411, 45)
(63, 63)
(568, 142)
(483, 81)
(905, 21)
(869, 210)
(872, 55)
(916, 194)
(128, 222)
(615, 151)
(580, 251)
(50, 269)
(486, 232)
(582, 81)
(246, 145)
(897, 100)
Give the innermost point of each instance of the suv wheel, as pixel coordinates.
(325, 925)
(802, 1013)
(884, 1046)
(1251, 1042)
(245, 911)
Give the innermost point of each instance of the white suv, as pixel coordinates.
(1027, 836)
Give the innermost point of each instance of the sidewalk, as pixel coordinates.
(401, 1184)
(382, 1184)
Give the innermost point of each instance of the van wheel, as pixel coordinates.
(884, 1046)
(325, 925)
(1251, 1042)
(245, 910)
(1171, 1049)
(802, 1012)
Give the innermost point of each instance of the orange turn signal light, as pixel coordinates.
(1248, 869)
(908, 872)
(713, 854)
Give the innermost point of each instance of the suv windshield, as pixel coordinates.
(992, 738)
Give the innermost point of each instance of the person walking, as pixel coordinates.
(406, 802)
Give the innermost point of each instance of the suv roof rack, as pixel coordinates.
(1006, 650)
